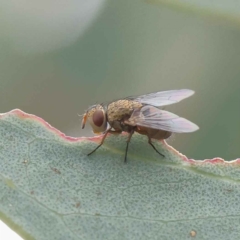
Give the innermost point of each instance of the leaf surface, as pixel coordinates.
(51, 189)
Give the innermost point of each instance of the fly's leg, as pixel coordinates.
(150, 142)
(128, 140)
(102, 141)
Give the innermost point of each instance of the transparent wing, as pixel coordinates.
(163, 98)
(152, 117)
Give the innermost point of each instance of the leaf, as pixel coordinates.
(229, 10)
(50, 188)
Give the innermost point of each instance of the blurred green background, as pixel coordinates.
(57, 58)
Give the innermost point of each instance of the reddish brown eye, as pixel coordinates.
(98, 118)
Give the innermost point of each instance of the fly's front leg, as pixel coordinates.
(150, 142)
(103, 138)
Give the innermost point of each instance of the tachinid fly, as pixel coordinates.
(140, 114)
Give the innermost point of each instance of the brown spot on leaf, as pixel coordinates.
(56, 170)
(77, 205)
(193, 233)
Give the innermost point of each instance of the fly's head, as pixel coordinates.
(96, 116)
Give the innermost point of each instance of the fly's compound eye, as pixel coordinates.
(98, 121)
(96, 116)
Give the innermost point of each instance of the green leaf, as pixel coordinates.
(51, 189)
(226, 9)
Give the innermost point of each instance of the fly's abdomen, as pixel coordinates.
(153, 133)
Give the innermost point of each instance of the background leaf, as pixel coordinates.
(50, 189)
(227, 9)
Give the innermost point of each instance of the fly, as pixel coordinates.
(140, 114)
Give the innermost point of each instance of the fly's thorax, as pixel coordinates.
(121, 110)
(96, 116)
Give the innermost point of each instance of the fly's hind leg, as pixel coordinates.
(150, 142)
(102, 141)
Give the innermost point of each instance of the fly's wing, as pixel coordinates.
(152, 117)
(158, 99)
